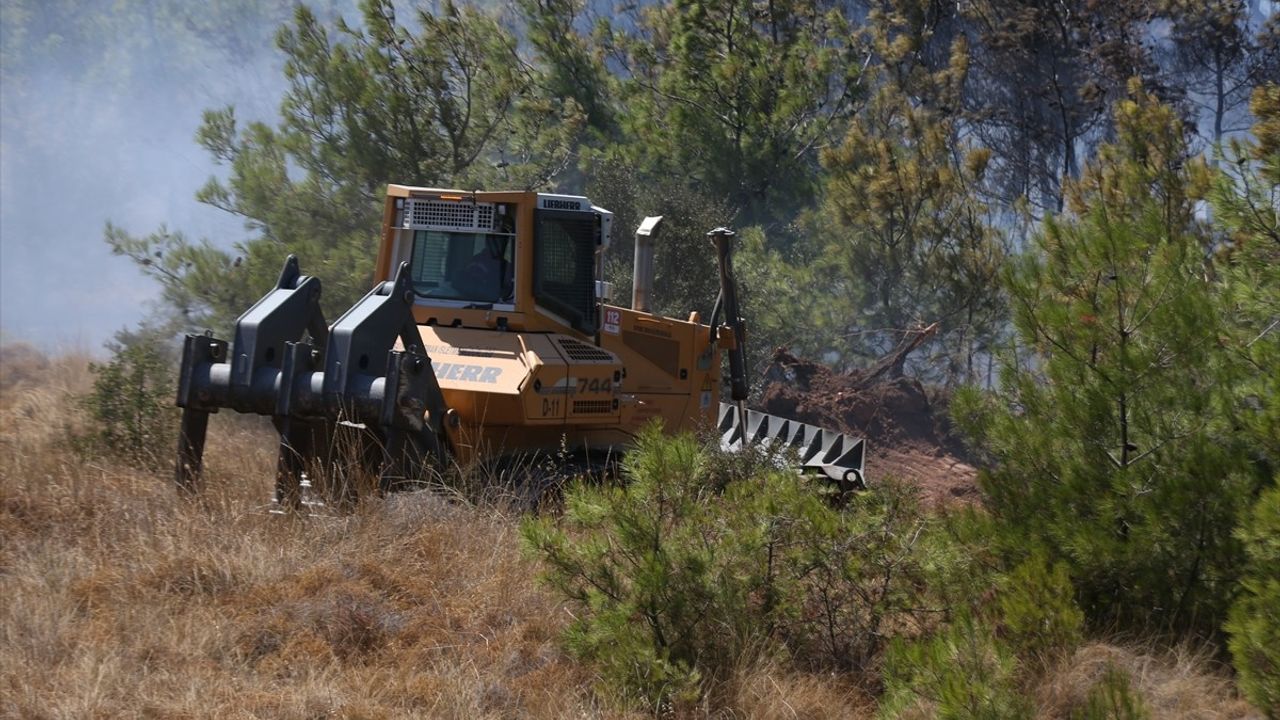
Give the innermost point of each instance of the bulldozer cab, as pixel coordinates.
(500, 260)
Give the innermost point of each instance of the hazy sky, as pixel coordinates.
(100, 127)
(60, 286)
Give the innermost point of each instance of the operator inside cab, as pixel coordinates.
(464, 266)
(462, 252)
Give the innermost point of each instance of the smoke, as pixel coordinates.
(99, 104)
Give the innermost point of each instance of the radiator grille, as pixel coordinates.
(576, 350)
(592, 407)
(424, 214)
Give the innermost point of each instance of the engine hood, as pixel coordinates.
(492, 377)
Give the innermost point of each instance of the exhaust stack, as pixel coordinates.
(642, 276)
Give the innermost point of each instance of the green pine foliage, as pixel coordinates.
(1108, 437)
(646, 586)
(733, 97)
(1037, 610)
(1254, 622)
(905, 236)
(1246, 199)
(963, 672)
(131, 405)
(862, 574)
(698, 561)
(1001, 631)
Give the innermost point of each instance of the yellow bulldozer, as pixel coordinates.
(489, 334)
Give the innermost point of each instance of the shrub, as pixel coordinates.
(1254, 620)
(641, 575)
(1038, 613)
(977, 664)
(865, 572)
(963, 672)
(700, 559)
(1112, 699)
(131, 405)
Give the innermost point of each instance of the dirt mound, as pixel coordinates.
(908, 435)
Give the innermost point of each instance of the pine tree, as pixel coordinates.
(907, 239)
(1246, 199)
(733, 97)
(1218, 59)
(1108, 437)
(1246, 204)
(1254, 623)
(1045, 78)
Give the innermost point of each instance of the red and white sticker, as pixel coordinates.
(612, 319)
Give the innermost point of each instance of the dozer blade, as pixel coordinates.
(834, 454)
(343, 376)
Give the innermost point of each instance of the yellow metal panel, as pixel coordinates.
(546, 394)
(655, 352)
(475, 360)
(594, 382)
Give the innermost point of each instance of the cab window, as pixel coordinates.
(475, 267)
(564, 265)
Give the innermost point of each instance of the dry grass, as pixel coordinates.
(120, 599)
(769, 691)
(1177, 684)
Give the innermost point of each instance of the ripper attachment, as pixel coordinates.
(342, 376)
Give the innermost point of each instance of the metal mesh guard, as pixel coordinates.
(423, 214)
(581, 351)
(838, 456)
(590, 407)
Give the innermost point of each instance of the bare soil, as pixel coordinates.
(908, 432)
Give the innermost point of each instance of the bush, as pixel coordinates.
(1038, 613)
(132, 405)
(643, 580)
(700, 559)
(864, 573)
(1112, 699)
(978, 664)
(964, 672)
(1254, 621)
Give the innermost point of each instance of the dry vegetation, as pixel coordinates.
(1179, 684)
(123, 600)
